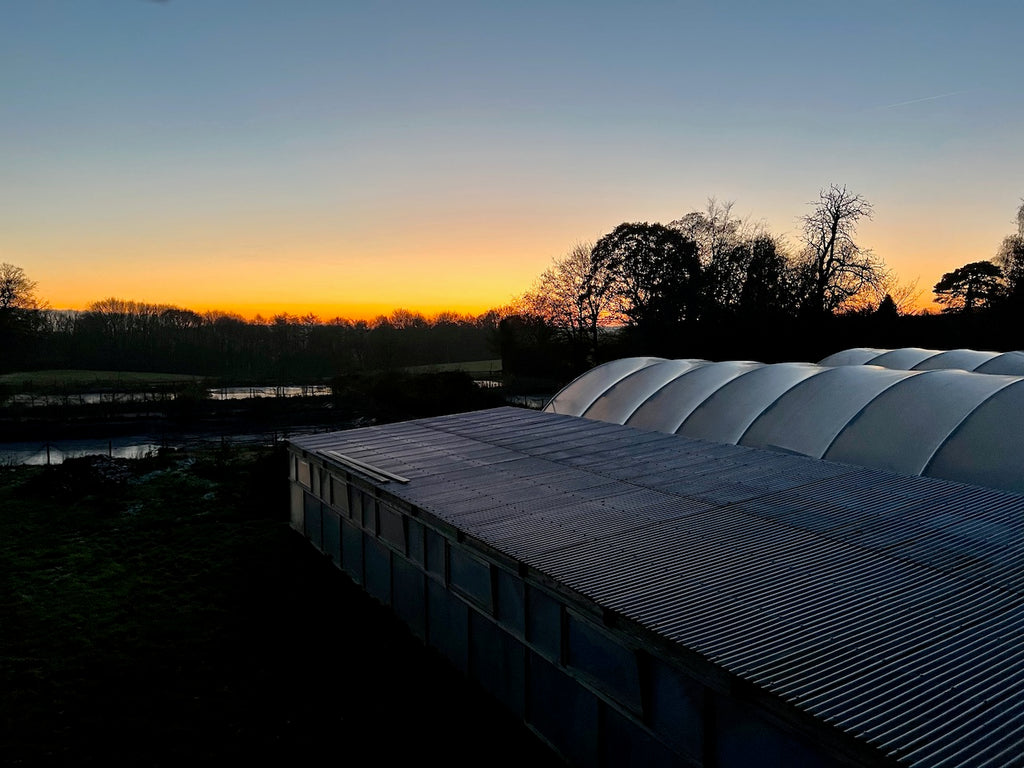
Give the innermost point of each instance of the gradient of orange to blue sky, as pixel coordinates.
(348, 158)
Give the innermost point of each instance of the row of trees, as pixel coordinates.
(117, 334)
(710, 266)
(708, 284)
(709, 270)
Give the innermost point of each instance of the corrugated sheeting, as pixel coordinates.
(934, 421)
(888, 607)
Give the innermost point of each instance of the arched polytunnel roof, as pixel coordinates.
(854, 356)
(667, 408)
(730, 410)
(635, 388)
(917, 359)
(952, 424)
(581, 393)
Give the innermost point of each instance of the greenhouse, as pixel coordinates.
(911, 411)
(917, 359)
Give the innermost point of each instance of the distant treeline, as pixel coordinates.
(707, 285)
(116, 334)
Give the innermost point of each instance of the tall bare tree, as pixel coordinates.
(835, 268)
(572, 295)
(16, 290)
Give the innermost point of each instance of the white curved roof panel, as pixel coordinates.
(959, 359)
(946, 422)
(807, 418)
(728, 412)
(915, 358)
(621, 399)
(1006, 364)
(854, 356)
(581, 393)
(904, 359)
(666, 409)
(904, 426)
(988, 447)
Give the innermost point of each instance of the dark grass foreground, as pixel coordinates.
(161, 612)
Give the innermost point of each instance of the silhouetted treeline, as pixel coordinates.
(121, 335)
(715, 287)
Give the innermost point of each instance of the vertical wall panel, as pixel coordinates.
(544, 624)
(408, 595)
(352, 551)
(312, 519)
(332, 534)
(676, 708)
(628, 745)
(448, 625)
(339, 496)
(743, 739)
(511, 609)
(416, 542)
(392, 527)
(498, 662)
(612, 667)
(297, 521)
(436, 560)
(377, 568)
(471, 577)
(563, 711)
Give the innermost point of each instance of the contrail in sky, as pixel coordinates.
(918, 101)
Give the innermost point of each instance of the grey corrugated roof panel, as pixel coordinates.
(885, 605)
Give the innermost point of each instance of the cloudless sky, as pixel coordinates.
(348, 158)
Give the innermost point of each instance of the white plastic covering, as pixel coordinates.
(986, 449)
(855, 356)
(959, 359)
(727, 413)
(667, 408)
(906, 424)
(1006, 364)
(952, 424)
(914, 358)
(581, 393)
(903, 359)
(625, 396)
(807, 418)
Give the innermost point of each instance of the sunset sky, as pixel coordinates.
(347, 158)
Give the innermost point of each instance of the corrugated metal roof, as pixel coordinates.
(889, 606)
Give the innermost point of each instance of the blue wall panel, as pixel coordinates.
(352, 551)
(448, 625)
(498, 662)
(563, 711)
(377, 568)
(332, 534)
(409, 596)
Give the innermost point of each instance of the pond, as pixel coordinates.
(32, 400)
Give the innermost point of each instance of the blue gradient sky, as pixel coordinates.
(348, 158)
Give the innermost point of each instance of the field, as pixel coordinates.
(79, 379)
(161, 612)
(475, 368)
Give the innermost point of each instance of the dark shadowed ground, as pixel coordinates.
(160, 612)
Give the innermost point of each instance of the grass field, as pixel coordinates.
(161, 612)
(99, 379)
(473, 367)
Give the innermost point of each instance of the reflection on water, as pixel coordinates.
(243, 393)
(33, 400)
(35, 454)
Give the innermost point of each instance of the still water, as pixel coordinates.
(40, 454)
(219, 393)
